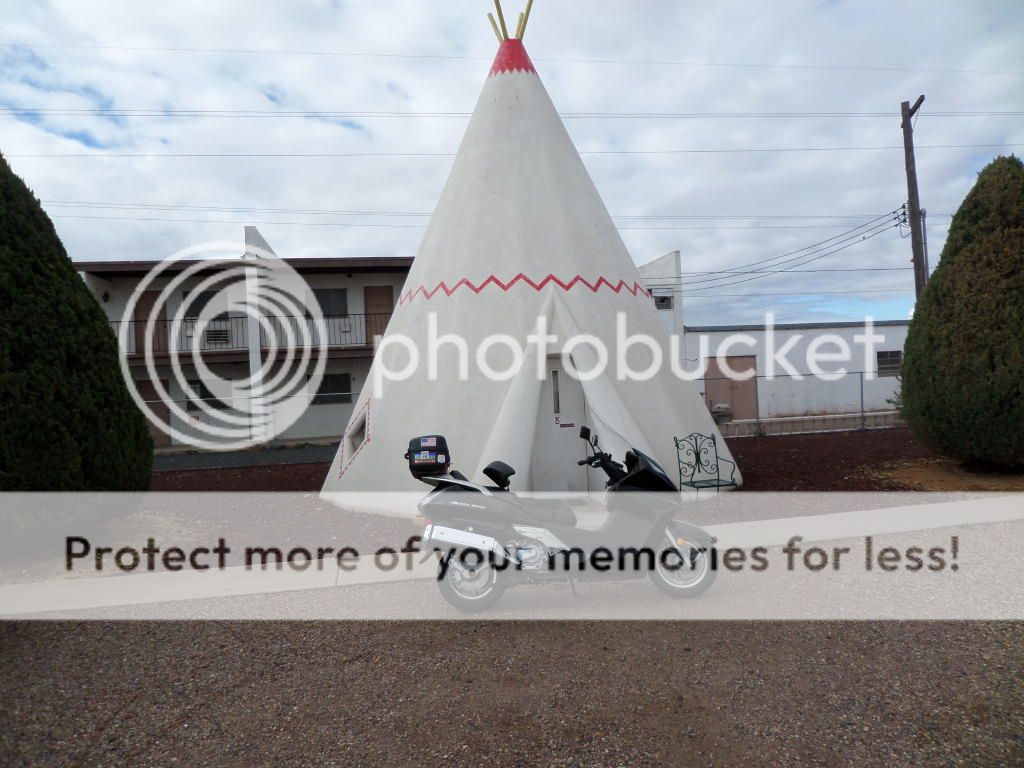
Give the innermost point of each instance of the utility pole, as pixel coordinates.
(913, 200)
(924, 236)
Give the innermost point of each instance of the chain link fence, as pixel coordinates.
(802, 403)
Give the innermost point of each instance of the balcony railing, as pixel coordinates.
(231, 333)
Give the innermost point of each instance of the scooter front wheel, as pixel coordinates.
(468, 583)
(685, 571)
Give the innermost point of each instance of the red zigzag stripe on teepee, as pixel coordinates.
(429, 293)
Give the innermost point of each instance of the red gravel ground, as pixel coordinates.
(838, 461)
(282, 477)
(574, 694)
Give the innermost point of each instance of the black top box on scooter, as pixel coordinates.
(428, 455)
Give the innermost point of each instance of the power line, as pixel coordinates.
(802, 263)
(116, 205)
(449, 57)
(227, 221)
(227, 209)
(810, 294)
(400, 226)
(657, 284)
(811, 249)
(765, 216)
(805, 256)
(186, 112)
(858, 231)
(598, 152)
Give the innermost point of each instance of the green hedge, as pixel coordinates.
(67, 422)
(963, 371)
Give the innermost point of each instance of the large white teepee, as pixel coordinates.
(519, 232)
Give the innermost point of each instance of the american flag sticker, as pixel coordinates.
(428, 442)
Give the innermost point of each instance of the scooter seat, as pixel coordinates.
(550, 511)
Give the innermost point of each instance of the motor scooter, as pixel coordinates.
(488, 538)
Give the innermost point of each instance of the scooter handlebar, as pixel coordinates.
(603, 460)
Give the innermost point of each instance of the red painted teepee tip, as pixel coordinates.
(512, 57)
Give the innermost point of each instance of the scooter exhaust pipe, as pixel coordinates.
(459, 540)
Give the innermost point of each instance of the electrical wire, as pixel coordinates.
(609, 152)
(121, 205)
(809, 294)
(657, 284)
(809, 250)
(847, 240)
(187, 112)
(815, 258)
(451, 57)
(404, 226)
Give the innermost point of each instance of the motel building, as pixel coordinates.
(358, 295)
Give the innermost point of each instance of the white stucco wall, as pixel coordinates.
(318, 421)
(329, 420)
(663, 277)
(785, 395)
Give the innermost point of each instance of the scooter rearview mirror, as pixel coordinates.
(585, 433)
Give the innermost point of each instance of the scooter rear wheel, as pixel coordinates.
(688, 576)
(467, 586)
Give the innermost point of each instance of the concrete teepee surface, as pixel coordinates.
(519, 233)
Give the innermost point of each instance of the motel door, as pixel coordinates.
(378, 304)
(162, 411)
(142, 312)
(740, 396)
(557, 445)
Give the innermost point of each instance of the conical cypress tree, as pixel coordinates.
(963, 371)
(67, 422)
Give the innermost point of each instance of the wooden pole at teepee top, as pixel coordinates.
(526, 19)
(501, 29)
(501, 20)
(494, 26)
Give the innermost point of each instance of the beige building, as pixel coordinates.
(357, 297)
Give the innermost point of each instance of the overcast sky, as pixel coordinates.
(722, 210)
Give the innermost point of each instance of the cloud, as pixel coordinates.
(791, 192)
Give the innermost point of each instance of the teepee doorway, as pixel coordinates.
(557, 445)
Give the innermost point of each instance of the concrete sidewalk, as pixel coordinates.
(302, 454)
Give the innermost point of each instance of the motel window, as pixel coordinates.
(198, 391)
(889, 363)
(196, 302)
(663, 302)
(334, 388)
(333, 301)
